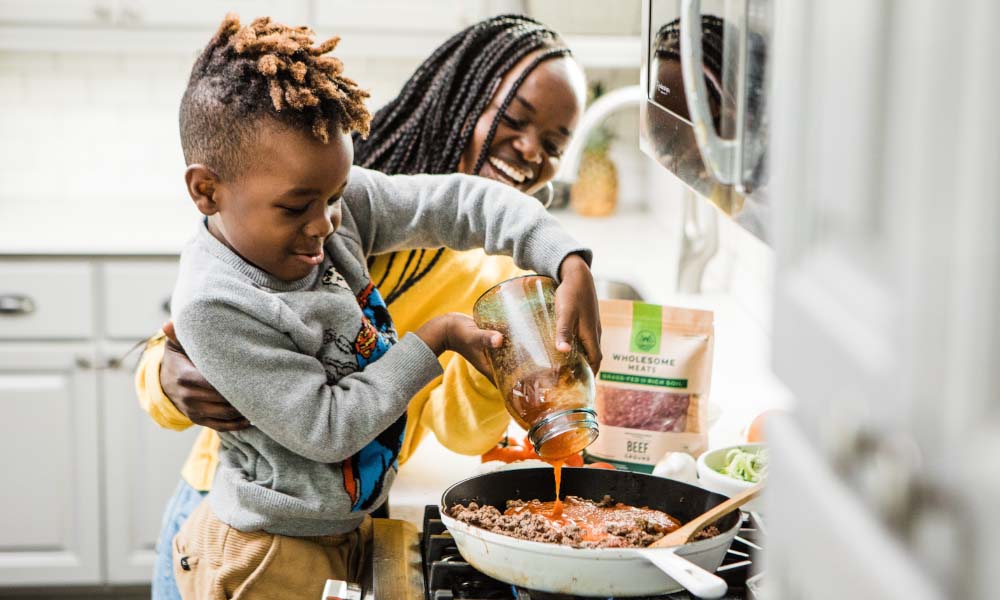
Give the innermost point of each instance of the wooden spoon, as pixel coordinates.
(684, 533)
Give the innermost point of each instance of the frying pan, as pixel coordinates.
(599, 571)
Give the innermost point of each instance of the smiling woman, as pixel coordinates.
(499, 99)
(503, 93)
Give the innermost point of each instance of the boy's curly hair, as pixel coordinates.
(264, 70)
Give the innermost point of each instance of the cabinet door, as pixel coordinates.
(136, 296)
(408, 16)
(142, 463)
(88, 13)
(208, 13)
(35, 302)
(49, 509)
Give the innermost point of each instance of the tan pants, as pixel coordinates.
(214, 561)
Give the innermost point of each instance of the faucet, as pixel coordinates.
(700, 231)
(699, 242)
(595, 114)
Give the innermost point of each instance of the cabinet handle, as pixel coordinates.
(83, 362)
(166, 306)
(16, 304)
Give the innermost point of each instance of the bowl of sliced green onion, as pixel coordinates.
(732, 469)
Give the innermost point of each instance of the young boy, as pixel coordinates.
(275, 307)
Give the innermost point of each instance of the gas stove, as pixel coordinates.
(411, 565)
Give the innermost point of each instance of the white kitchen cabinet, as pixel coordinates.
(208, 13)
(136, 296)
(84, 499)
(50, 300)
(78, 13)
(129, 26)
(144, 13)
(50, 509)
(444, 16)
(142, 464)
(391, 29)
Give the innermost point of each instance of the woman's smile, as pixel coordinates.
(519, 176)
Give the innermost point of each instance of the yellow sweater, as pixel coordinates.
(461, 407)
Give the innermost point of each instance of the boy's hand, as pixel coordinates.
(576, 310)
(191, 393)
(459, 333)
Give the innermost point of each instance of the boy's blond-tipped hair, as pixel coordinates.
(264, 69)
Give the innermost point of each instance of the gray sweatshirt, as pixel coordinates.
(315, 364)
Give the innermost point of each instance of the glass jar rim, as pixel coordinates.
(505, 281)
(556, 424)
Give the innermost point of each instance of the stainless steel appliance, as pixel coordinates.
(704, 117)
(876, 147)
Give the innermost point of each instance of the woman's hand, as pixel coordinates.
(191, 393)
(459, 333)
(576, 310)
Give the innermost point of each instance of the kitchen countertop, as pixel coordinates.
(112, 226)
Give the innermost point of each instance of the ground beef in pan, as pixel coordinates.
(583, 524)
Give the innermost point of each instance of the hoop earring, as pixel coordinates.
(546, 195)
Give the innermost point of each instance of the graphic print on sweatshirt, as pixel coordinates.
(376, 333)
(364, 473)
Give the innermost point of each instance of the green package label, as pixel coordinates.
(647, 323)
(643, 380)
(621, 465)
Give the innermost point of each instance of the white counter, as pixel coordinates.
(111, 226)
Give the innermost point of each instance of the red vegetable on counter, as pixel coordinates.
(511, 450)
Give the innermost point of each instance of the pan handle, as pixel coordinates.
(696, 580)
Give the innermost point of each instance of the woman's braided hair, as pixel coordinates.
(426, 128)
(668, 45)
(264, 69)
(668, 41)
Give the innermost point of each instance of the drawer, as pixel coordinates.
(136, 296)
(43, 299)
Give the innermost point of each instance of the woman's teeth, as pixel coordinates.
(509, 170)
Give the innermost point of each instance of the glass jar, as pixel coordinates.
(547, 392)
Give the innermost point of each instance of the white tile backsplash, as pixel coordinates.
(79, 126)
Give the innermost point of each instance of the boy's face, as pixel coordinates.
(279, 212)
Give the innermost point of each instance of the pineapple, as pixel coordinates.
(595, 192)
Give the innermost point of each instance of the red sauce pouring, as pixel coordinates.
(594, 520)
